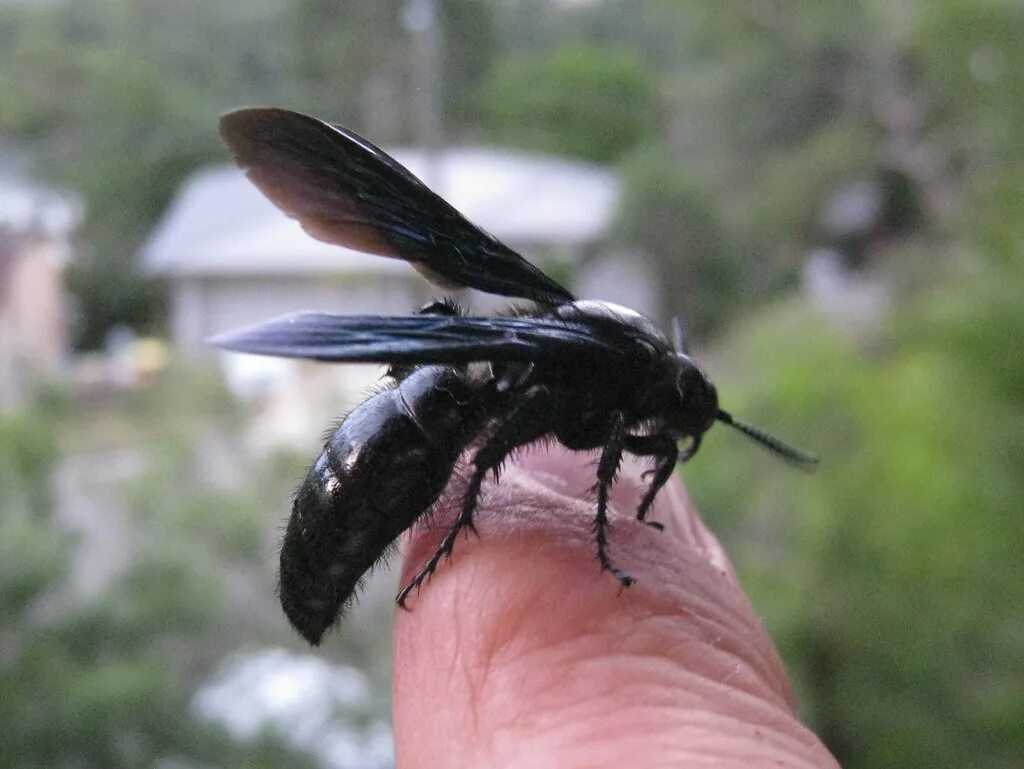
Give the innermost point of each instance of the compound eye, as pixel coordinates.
(695, 391)
(687, 385)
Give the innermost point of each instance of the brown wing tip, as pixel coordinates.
(267, 143)
(245, 131)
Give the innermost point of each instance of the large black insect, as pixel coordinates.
(588, 374)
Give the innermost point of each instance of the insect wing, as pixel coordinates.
(344, 190)
(419, 339)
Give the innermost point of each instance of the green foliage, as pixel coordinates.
(579, 100)
(997, 225)
(186, 508)
(331, 47)
(96, 683)
(669, 216)
(28, 455)
(972, 56)
(469, 40)
(31, 557)
(891, 578)
(105, 678)
(118, 100)
(785, 205)
(110, 293)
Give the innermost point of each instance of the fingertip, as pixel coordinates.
(673, 512)
(515, 646)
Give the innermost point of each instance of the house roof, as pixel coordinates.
(220, 224)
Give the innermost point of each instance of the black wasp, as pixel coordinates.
(588, 374)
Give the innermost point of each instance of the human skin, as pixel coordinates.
(521, 653)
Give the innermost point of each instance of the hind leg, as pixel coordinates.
(527, 421)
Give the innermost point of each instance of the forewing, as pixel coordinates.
(420, 339)
(344, 190)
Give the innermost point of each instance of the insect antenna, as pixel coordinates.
(776, 446)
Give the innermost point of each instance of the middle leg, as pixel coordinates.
(607, 469)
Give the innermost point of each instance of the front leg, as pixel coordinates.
(607, 469)
(666, 454)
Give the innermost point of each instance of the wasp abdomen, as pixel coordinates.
(384, 466)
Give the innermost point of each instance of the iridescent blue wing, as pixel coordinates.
(418, 339)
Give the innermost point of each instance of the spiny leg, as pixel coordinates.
(607, 468)
(526, 422)
(666, 454)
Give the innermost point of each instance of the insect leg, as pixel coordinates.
(446, 306)
(666, 454)
(607, 468)
(527, 421)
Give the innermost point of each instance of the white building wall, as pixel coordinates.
(623, 278)
(203, 307)
(33, 328)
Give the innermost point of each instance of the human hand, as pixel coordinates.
(521, 653)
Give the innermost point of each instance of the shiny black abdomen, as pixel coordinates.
(383, 467)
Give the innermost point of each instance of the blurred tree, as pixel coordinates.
(469, 41)
(107, 681)
(350, 63)
(579, 100)
(670, 217)
(119, 100)
(28, 452)
(891, 580)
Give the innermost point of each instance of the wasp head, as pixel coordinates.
(695, 399)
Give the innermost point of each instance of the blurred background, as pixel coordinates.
(831, 194)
